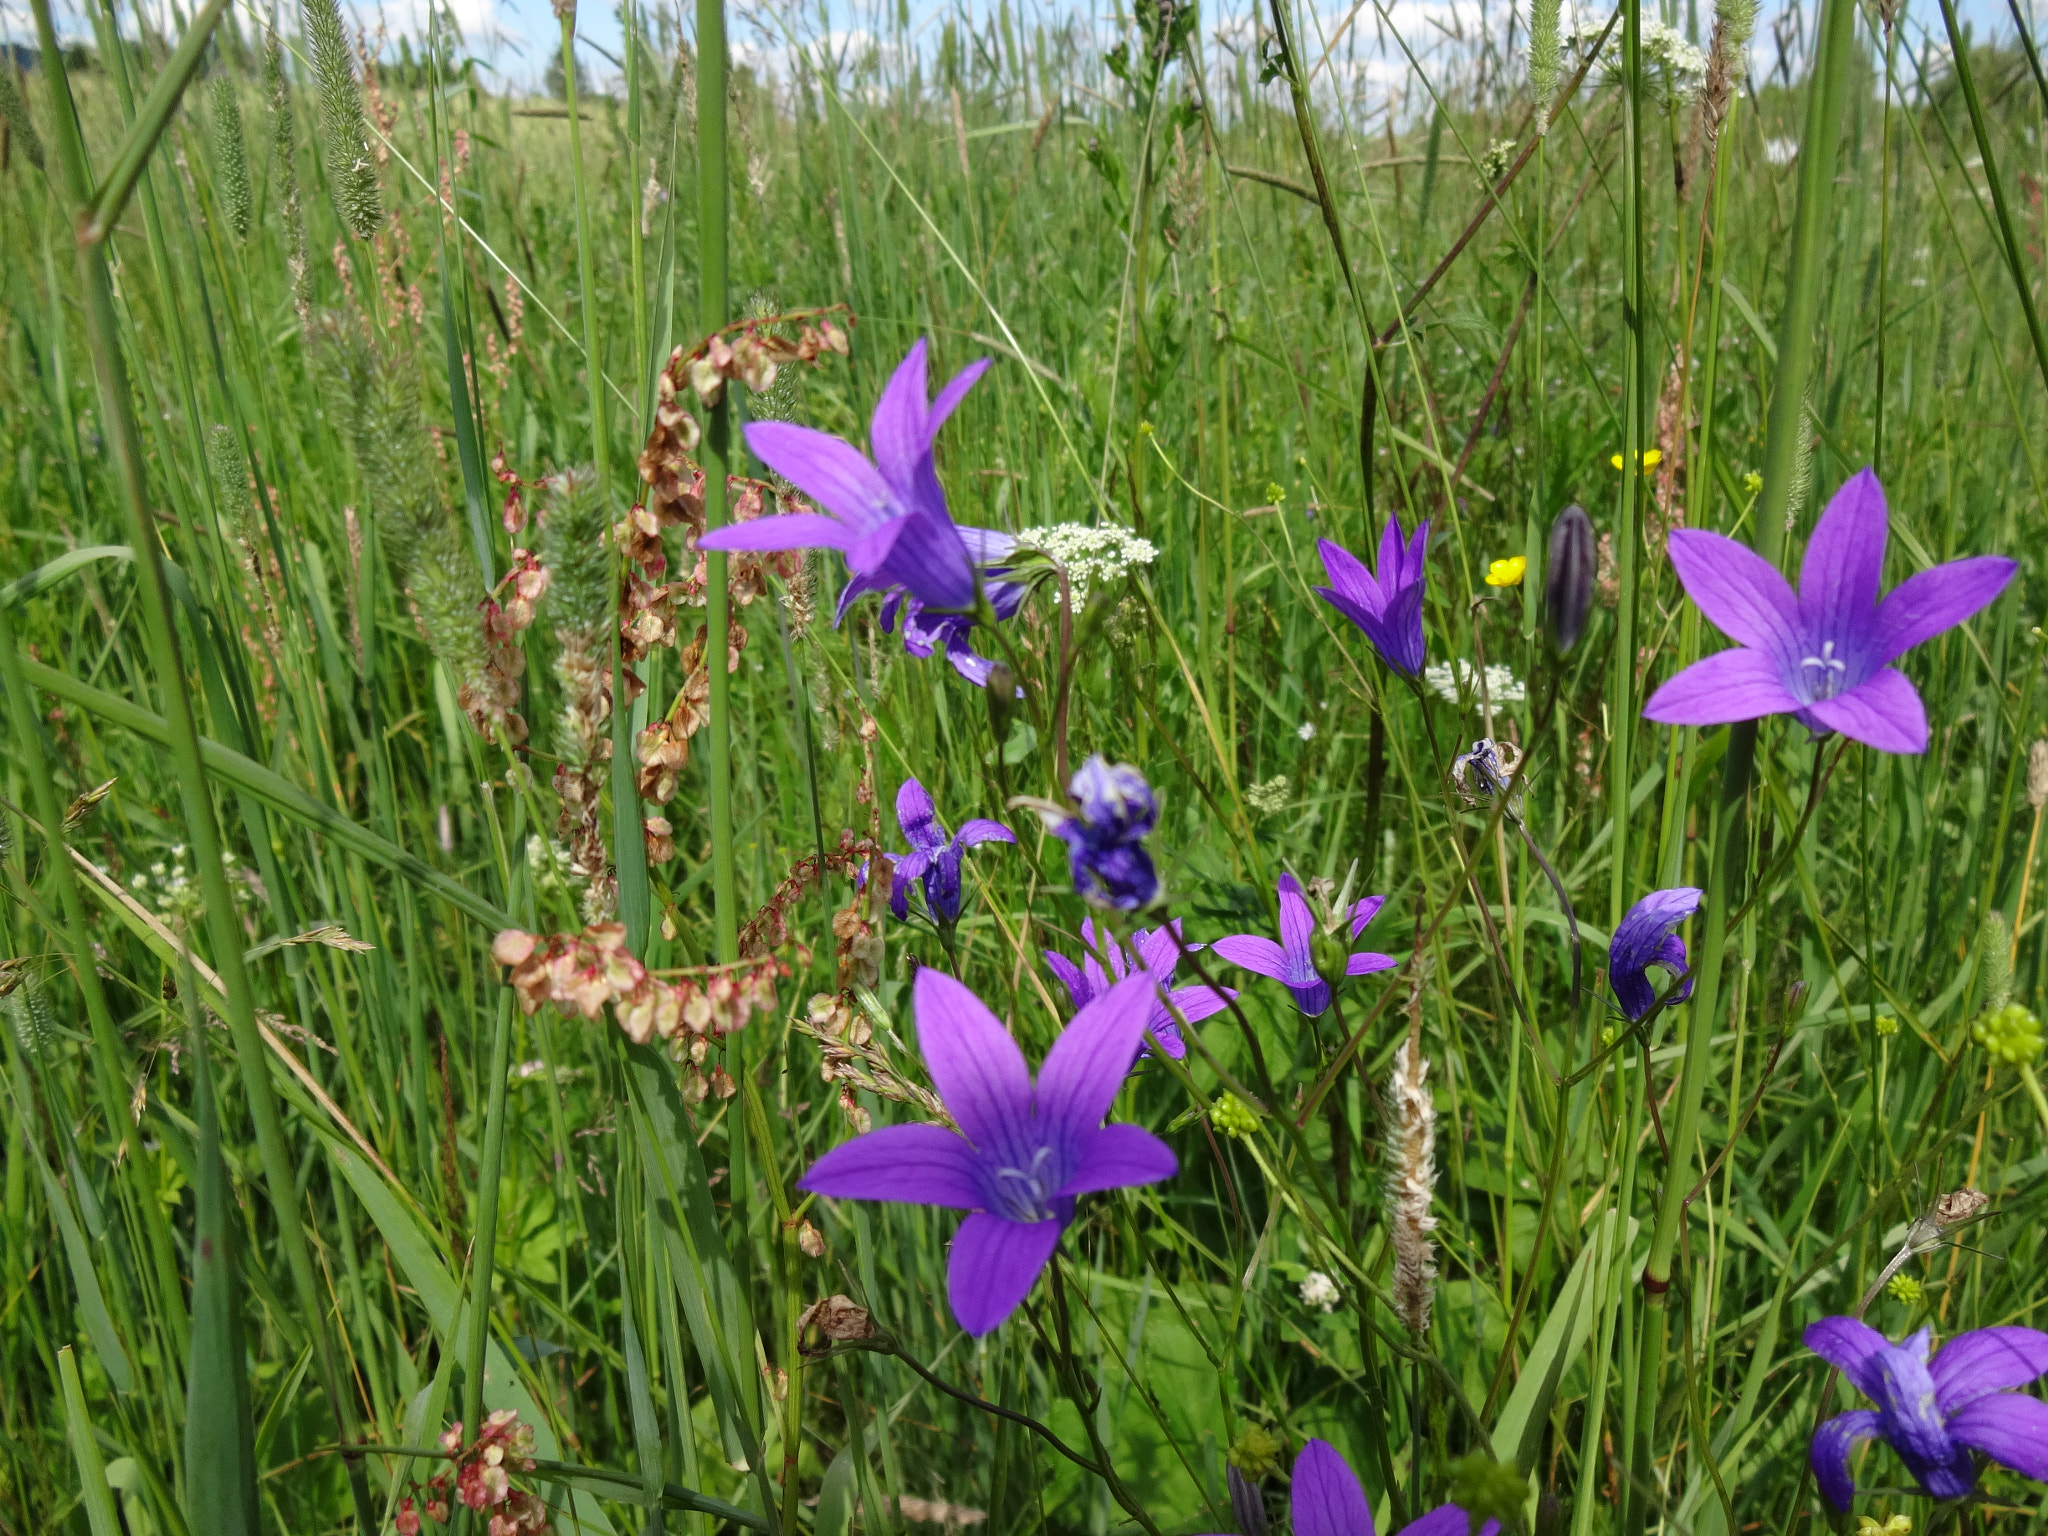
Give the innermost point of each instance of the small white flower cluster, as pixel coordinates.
(1683, 64)
(1091, 556)
(1320, 1291)
(1444, 680)
(549, 861)
(1269, 797)
(175, 888)
(1781, 151)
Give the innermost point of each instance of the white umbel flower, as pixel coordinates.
(1320, 1291)
(1092, 556)
(1501, 685)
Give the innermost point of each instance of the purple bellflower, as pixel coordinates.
(1823, 655)
(1113, 809)
(887, 516)
(1292, 961)
(934, 857)
(1645, 938)
(1387, 607)
(1023, 1151)
(1933, 1412)
(1326, 1499)
(1157, 951)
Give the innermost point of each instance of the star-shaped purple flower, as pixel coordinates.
(1645, 938)
(1113, 809)
(1387, 607)
(1292, 961)
(888, 516)
(1823, 656)
(934, 857)
(1023, 1152)
(1326, 1499)
(1933, 1412)
(1156, 950)
(927, 632)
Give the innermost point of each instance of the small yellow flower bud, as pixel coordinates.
(1906, 1289)
(1887, 1025)
(1508, 572)
(1752, 482)
(1257, 1452)
(1275, 492)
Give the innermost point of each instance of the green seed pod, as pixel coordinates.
(230, 159)
(351, 170)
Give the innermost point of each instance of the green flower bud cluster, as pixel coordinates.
(1905, 1288)
(1488, 1490)
(2012, 1034)
(1235, 1118)
(1257, 1452)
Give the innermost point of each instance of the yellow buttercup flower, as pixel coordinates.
(1650, 459)
(1508, 572)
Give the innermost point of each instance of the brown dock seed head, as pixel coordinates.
(1959, 1206)
(837, 1317)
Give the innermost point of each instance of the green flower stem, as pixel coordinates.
(2034, 1092)
(484, 1232)
(1730, 841)
(712, 209)
(127, 455)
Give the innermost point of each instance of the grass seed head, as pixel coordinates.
(230, 157)
(351, 167)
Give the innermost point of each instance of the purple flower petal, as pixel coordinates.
(1311, 997)
(789, 530)
(942, 407)
(1987, 1360)
(1200, 1002)
(1079, 1078)
(1914, 1428)
(1405, 650)
(920, 1164)
(976, 1066)
(942, 884)
(829, 471)
(993, 1266)
(1117, 1156)
(2010, 1428)
(1851, 1346)
(1350, 582)
(979, 829)
(1844, 563)
(1365, 962)
(1829, 1453)
(1740, 684)
(1297, 926)
(1254, 953)
(1362, 913)
(1327, 1499)
(1922, 606)
(897, 433)
(1742, 593)
(1884, 712)
(919, 818)
(1447, 1520)
(1079, 989)
(928, 558)
(1639, 942)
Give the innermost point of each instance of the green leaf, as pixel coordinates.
(835, 1497)
(50, 572)
(1518, 1432)
(92, 1302)
(92, 1472)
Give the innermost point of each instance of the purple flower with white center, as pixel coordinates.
(1113, 809)
(1387, 607)
(1292, 961)
(1023, 1151)
(1823, 656)
(934, 857)
(1645, 938)
(1326, 1499)
(887, 516)
(1156, 950)
(1933, 1412)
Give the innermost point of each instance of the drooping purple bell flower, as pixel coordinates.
(1292, 961)
(1156, 950)
(1933, 1412)
(1326, 1499)
(934, 856)
(1113, 809)
(1824, 655)
(1647, 937)
(1024, 1151)
(1386, 606)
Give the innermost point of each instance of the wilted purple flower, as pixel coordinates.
(1387, 607)
(1156, 950)
(1646, 938)
(1113, 810)
(1328, 1500)
(1933, 1412)
(1823, 656)
(934, 856)
(1292, 961)
(1023, 1152)
(888, 516)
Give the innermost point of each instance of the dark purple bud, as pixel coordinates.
(1112, 801)
(1247, 1504)
(1568, 575)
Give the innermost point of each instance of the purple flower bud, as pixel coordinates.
(1113, 810)
(1247, 1504)
(1568, 575)
(1113, 800)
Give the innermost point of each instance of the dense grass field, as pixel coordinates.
(399, 1033)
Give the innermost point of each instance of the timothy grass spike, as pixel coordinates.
(351, 168)
(230, 158)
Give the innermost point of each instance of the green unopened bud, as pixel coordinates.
(1235, 1118)
(1887, 1025)
(1906, 1289)
(1488, 1490)
(1257, 1452)
(2012, 1034)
